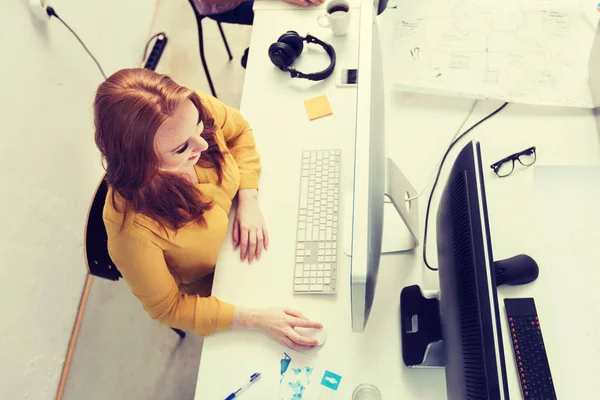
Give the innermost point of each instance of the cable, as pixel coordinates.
(449, 144)
(148, 44)
(437, 178)
(52, 13)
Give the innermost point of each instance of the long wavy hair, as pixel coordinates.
(129, 108)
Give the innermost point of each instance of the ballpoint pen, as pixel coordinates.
(253, 378)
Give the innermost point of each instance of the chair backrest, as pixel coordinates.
(194, 8)
(95, 239)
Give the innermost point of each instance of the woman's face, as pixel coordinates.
(178, 142)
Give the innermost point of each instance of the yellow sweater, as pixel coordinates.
(169, 274)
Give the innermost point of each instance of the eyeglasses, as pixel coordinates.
(506, 166)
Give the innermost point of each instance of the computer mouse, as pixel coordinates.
(320, 335)
(517, 270)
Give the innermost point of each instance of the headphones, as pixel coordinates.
(289, 47)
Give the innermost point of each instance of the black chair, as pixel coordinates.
(97, 258)
(199, 19)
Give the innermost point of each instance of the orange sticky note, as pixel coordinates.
(318, 107)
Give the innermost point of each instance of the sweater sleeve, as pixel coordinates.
(239, 138)
(145, 270)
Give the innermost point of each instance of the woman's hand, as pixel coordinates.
(279, 324)
(249, 230)
(305, 3)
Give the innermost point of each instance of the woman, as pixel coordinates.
(174, 160)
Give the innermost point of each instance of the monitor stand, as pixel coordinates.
(421, 328)
(420, 322)
(400, 217)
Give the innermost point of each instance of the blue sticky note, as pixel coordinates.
(331, 380)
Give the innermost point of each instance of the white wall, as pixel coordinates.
(49, 167)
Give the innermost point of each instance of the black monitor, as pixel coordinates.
(459, 327)
(469, 311)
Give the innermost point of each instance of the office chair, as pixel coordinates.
(199, 19)
(97, 259)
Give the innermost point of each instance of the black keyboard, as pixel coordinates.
(530, 353)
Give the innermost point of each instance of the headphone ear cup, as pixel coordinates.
(282, 55)
(295, 41)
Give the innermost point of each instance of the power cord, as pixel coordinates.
(437, 178)
(460, 128)
(148, 44)
(52, 13)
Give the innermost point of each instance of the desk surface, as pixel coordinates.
(419, 128)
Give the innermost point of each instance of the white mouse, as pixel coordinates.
(320, 335)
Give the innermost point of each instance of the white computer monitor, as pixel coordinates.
(369, 170)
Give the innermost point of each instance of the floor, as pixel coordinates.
(181, 58)
(120, 352)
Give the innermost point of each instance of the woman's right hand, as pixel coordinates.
(305, 3)
(279, 324)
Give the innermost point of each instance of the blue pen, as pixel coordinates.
(254, 377)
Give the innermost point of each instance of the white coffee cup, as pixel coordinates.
(337, 17)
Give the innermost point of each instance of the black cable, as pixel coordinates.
(52, 13)
(438, 177)
(148, 44)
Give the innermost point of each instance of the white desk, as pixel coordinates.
(418, 131)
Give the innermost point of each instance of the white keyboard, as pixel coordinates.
(315, 268)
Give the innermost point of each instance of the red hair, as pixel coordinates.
(129, 108)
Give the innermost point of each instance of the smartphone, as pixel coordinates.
(347, 78)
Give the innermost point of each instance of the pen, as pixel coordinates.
(253, 377)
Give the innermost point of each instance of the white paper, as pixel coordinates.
(528, 51)
(302, 380)
(568, 231)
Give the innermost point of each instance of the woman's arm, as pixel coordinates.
(249, 230)
(239, 138)
(143, 267)
(304, 3)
